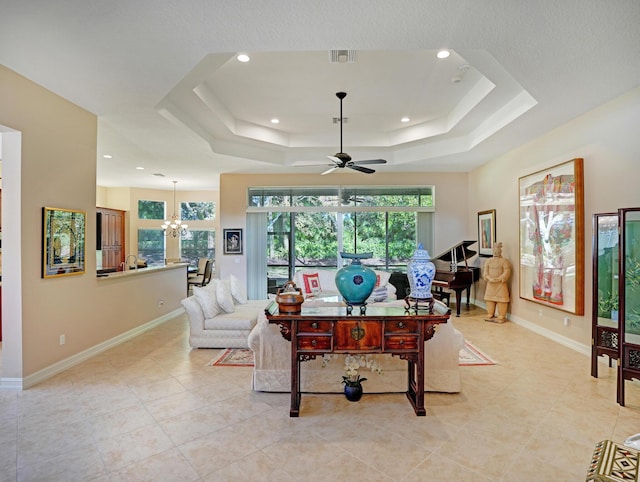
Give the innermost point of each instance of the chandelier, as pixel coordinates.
(173, 226)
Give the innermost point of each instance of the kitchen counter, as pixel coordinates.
(141, 271)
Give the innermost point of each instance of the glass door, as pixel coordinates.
(629, 289)
(605, 328)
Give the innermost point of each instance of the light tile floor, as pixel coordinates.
(152, 410)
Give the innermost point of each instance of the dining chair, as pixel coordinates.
(202, 264)
(204, 279)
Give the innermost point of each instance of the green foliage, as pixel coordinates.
(197, 211)
(150, 209)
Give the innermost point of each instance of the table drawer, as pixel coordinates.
(314, 343)
(401, 342)
(314, 327)
(401, 326)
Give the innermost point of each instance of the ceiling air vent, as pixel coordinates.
(342, 56)
(158, 174)
(336, 120)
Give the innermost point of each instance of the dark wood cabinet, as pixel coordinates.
(394, 331)
(110, 237)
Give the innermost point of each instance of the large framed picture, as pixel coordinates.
(232, 241)
(63, 242)
(486, 232)
(552, 237)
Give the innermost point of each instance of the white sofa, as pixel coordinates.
(384, 291)
(272, 370)
(220, 316)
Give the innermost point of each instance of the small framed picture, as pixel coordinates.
(232, 240)
(486, 232)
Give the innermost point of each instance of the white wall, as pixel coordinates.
(607, 138)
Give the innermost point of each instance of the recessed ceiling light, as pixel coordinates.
(405, 119)
(107, 156)
(243, 58)
(140, 168)
(275, 121)
(443, 54)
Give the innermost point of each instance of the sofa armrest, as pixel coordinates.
(195, 315)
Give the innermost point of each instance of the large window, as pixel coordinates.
(151, 246)
(150, 209)
(199, 243)
(198, 211)
(310, 227)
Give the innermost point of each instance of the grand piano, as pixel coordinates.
(451, 275)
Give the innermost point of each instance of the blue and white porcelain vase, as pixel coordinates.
(420, 271)
(355, 282)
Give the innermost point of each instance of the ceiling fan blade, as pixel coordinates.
(330, 170)
(336, 160)
(360, 168)
(371, 161)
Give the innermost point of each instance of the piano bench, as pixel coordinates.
(440, 295)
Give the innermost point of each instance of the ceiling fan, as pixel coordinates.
(342, 159)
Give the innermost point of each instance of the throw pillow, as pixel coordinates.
(223, 293)
(311, 283)
(238, 290)
(382, 278)
(206, 297)
(379, 294)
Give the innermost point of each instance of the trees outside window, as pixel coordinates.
(151, 246)
(151, 209)
(199, 243)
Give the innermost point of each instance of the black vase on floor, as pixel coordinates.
(353, 392)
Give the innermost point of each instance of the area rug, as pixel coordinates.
(233, 357)
(470, 355)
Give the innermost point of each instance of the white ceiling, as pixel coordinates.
(162, 77)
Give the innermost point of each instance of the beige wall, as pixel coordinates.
(53, 163)
(450, 218)
(607, 140)
(126, 199)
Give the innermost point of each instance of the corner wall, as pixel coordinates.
(608, 140)
(57, 168)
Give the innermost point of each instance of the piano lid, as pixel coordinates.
(462, 253)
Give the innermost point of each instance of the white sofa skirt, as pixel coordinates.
(272, 370)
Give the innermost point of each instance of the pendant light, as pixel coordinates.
(173, 226)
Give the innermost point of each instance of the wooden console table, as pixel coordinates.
(395, 331)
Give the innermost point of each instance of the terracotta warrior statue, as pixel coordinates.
(497, 271)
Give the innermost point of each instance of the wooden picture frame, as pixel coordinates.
(63, 242)
(486, 232)
(232, 241)
(551, 254)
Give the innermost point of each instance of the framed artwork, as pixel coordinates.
(486, 232)
(232, 241)
(63, 242)
(552, 237)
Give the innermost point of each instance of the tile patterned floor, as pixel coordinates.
(152, 410)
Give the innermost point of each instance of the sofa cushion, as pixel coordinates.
(208, 300)
(238, 290)
(224, 298)
(382, 278)
(243, 318)
(378, 294)
(311, 283)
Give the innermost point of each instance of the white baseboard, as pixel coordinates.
(62, 365)
(552, 335)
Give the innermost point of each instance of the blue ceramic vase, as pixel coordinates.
(355, 282)
(420, 271)
(353, 392)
